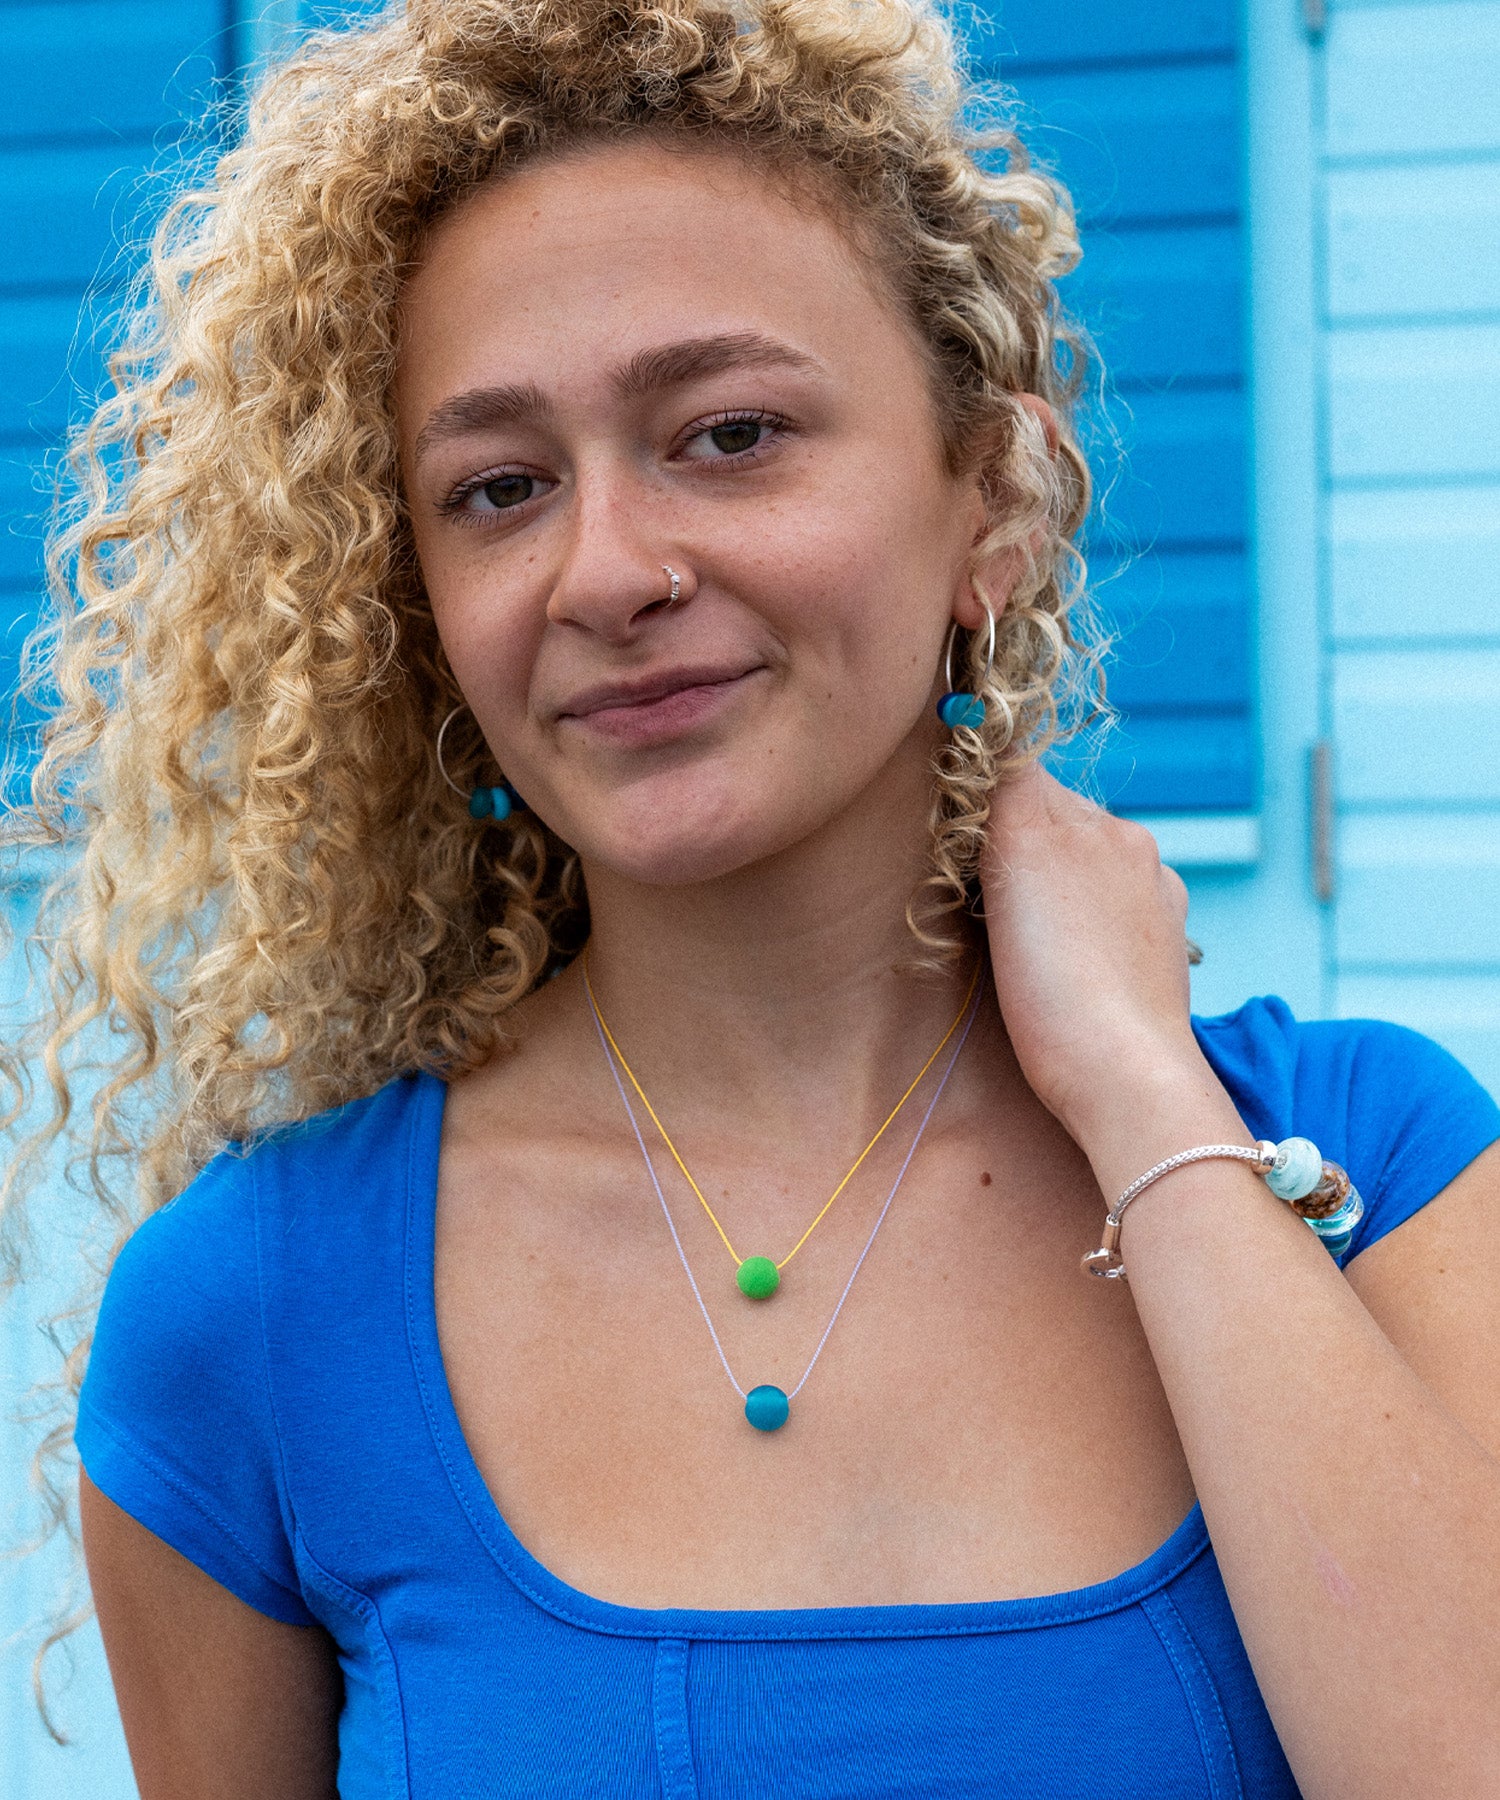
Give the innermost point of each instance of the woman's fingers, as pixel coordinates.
(1086, 937)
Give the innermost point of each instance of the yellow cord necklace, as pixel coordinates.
(758, 1277)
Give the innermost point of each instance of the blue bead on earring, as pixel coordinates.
(494, 802)
(484, 802)
(957, 709)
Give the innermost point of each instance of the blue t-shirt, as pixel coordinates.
(266, 1393)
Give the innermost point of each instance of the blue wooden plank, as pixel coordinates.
(1164, 304)
(1404, 81)
(52, 354)
(1183, 481)
(1418, 727)
(18, 614)
(25, 502)
(114, 67)
(313, 14)
(1414, 402)
(1418, 563)
(1182, 625)
(1414, 241)
(65, 212)
(1044, 31)
(1419, 890)
(1169, 763)
(1140, 144)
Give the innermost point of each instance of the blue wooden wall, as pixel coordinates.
(94, 96)
(1409, 167)
(1141, 110)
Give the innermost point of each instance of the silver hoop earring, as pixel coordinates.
(962, 708)
(676, 581)
(484, 802)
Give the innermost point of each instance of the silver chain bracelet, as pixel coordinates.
(1294, 1170)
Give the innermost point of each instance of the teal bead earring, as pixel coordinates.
(484, 802)
(962, 708)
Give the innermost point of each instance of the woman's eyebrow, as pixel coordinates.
(662, 366)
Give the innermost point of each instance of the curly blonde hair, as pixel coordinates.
(269, 900)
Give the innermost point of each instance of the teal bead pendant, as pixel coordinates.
(767, 1407)
(758, 1277)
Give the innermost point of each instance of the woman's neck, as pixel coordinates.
(781, 998)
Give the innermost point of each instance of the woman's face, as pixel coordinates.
(636, 357)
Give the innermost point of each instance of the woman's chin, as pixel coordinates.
(675, 858)
(698, 839)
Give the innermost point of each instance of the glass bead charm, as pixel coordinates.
(961, 709)
(494, 802)
(766, 1408)
(758, 1277)
(1297, 1170)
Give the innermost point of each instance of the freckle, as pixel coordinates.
(985, 1179)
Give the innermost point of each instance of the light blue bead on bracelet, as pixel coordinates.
(1297, 1170)
(1338, 1228)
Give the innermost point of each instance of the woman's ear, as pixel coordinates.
(1042, 411)
(1000, 571)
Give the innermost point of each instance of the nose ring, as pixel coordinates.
(676, 585)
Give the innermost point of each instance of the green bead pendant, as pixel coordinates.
(758, 1277)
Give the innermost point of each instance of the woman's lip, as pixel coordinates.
(664, 717)
(640, 693)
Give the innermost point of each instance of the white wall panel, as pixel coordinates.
(1422, 240)
(1419, 889)
(1417, 403)
(1462, 1012)
(1417, 563)
(1414, 80)
(1418, 726)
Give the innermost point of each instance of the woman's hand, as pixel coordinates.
(1087, 941)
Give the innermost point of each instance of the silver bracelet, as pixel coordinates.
(1295, 1172)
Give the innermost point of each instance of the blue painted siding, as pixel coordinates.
(97, 99)
(93, 99)
(1410, 165)
(1141, 110)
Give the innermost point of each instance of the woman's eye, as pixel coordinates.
(743, 434)
(729, 437)
(478, 502)
(501, 492)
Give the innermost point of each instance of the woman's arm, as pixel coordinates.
(1343, 1432)
(218, 1701)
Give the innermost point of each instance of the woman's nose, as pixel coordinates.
(615, 568)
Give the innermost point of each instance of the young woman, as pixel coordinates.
(553, 717)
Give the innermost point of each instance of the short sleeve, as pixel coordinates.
(175, 1422)
(1416, 1118)
(1394, 1108)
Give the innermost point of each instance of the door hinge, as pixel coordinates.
(1315, 18)
(1321, 821)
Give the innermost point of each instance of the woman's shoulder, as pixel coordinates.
(1397, 1110)
(274, 1254)
(331, 1161)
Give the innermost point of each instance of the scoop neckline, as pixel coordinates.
(900, 1619)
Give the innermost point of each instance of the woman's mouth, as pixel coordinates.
(655, 712)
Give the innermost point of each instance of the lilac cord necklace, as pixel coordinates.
(767, 1406)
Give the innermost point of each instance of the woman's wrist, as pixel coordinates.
(1169, 1101)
